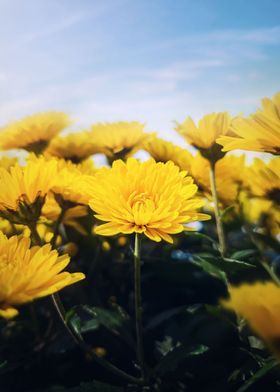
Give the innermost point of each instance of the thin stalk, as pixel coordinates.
(271, 273)
(87, 349)
(57, 226)
(138, 304)
(34, 233)
(219, 223)
(79, 339)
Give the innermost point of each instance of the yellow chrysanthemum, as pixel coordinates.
(119, 139)
(33, 133)
(259, 132)
(229, 177)
(75, 147)
(259, 304)
(26, 185)
(69, 186)
(264, 179)
(163, 151)
(204, 136)
(144, 197)
(261, 213)
(29, 272)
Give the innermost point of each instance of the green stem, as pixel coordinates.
(79, 340)
(138, 304)
(34, 234)
(57, 226)
(87, 349)
(219, 223)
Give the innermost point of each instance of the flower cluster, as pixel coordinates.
(58, 189)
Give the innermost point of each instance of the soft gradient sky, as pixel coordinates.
(151, 60)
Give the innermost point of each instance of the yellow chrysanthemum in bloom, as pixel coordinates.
(229, 177)
(75, 147)
(26, 186)
(259, 304)
(33, 133)
(204, 136)
(69, 186)
(261, 213)
(119, 139)
(259, 132)
(264, 179)
(28, 272)
(163, 151)
(155, 199)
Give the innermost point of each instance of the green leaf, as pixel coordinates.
(171, 361)
(108, 318)
(228, 265)
(210, 268)
(272, 363)
(243, 254)
(74, 322)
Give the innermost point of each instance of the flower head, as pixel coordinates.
(29, 272)
(152, 198)
(259, 132)
(23, 188)
(259, 304)
(74, 147)
(163, 151)
(204, 136)
(33, 133)
(264, 179)
(119, 139)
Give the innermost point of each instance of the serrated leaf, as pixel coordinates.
(171, 361)
(258, 375)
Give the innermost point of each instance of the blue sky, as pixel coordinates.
(155, 61)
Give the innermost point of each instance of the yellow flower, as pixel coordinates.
(259, 132)
(264, 179)
(69, 186)
(28, 273)
(33, 133)
(229, 177)
(74, 147)
(204, 136)
(259, 304)
(144, 197)
(26, 186)
(262, 213)
(119, 139)
(163, 151)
